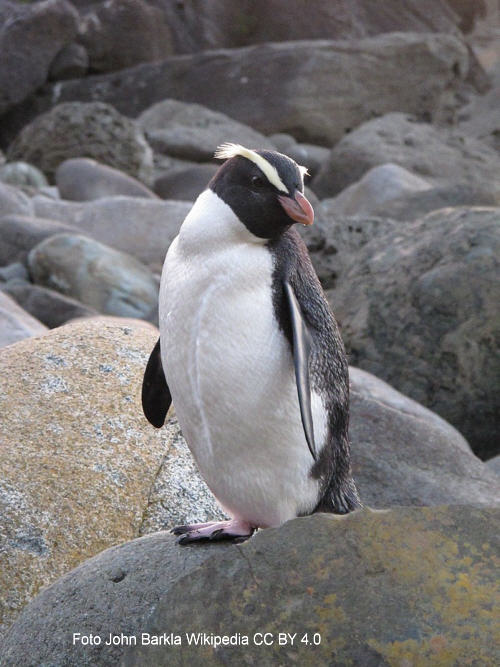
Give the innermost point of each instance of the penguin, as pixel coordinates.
(250, 353)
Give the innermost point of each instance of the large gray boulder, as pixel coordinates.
(404, 454)
(124, 33)
(435, 154)
(21, 233)
(16, 323)
(419, 309)
(30, 37)
(143, 228)
(316, 90)
(76, 129)
(103, 278)
(226, 24)
(77, 459)
(193, 132)
(70, 404)
(83, 179)
(323, 579)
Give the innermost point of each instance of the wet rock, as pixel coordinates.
(99, 276)
(93, 130)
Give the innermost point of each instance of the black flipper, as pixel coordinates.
(301, 351)
(156, 398)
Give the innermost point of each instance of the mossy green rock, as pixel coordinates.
(406, 587)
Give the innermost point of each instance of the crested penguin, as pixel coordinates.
(250, 353)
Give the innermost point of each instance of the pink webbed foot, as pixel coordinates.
(235, 530)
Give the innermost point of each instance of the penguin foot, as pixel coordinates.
(236, 530)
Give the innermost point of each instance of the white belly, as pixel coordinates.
(230, 372)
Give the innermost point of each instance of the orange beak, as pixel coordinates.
(297, 208)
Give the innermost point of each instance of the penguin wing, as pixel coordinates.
(156, 398)
(301, 353)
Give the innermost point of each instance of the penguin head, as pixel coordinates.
(264, 189)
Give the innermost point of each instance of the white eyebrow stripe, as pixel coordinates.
(228, 150)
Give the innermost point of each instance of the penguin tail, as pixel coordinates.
(340, 498)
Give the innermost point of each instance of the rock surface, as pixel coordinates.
(93, 130)
(419, 309)
(78, 459)
(26, 51)
(404, 454)
(22, 173)
(71, 62)
(21, 233)
(100, 277)
(178, 495)
(413, 205)
(13, 200)
(226, 24)
(414, 563)
(193, 132)
(83, 179)
(377, 188)
(120, 585)
(124, 33)
(143, 228)
(338, 238)
(48, 306)
(15, 323)
(430, 152)
(184, 183)
(352, 82)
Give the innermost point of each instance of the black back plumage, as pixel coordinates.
(328, 368)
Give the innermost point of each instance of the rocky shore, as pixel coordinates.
(109, 116)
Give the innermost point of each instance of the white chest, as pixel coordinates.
(230, 372)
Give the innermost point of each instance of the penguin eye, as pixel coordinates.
(257, 182)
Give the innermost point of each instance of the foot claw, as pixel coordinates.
(235, 530)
